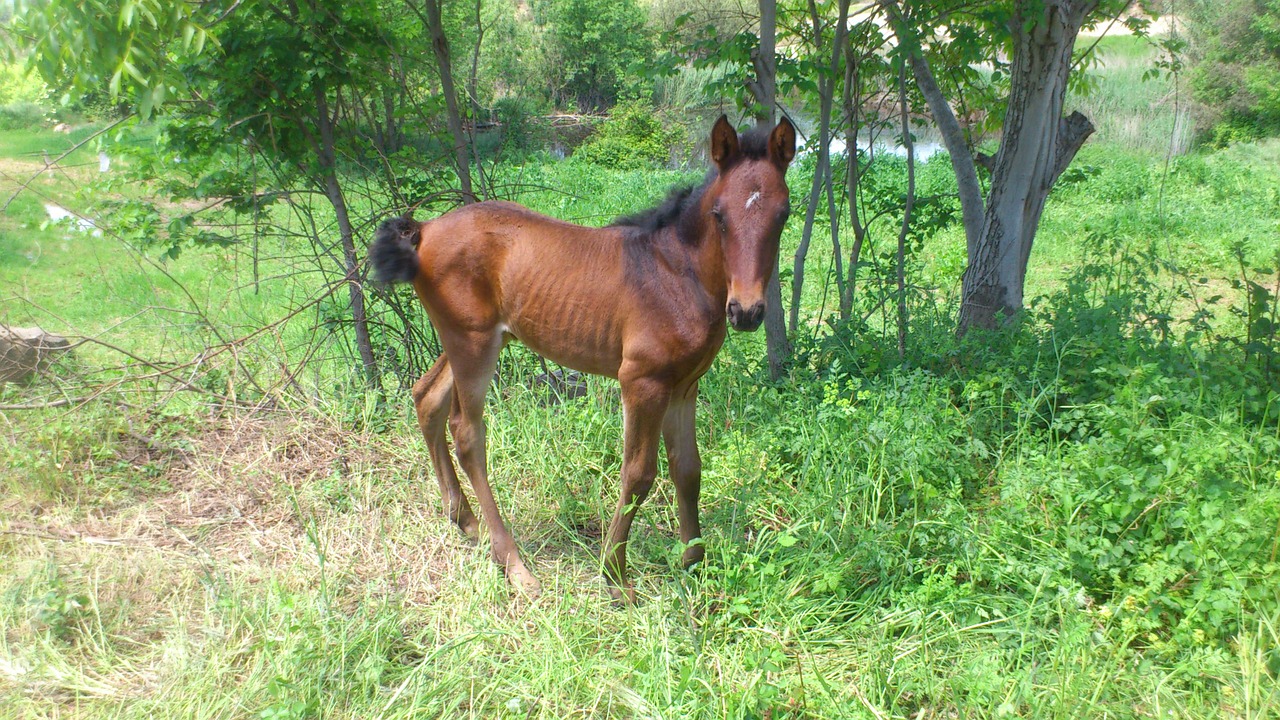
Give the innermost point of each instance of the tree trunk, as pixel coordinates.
(391, 140)
(851, 99)
(440, 45)
(765, 86)
(326, 153)
(810, 213)
(906, 211)
(822, 170)
(1037, 145)
(473, 80)
(953, 137)
(777, 347)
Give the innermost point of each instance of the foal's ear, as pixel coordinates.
(724, 142)
(782, 143)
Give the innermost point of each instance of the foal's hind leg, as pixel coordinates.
(474, 358)
(432, 398)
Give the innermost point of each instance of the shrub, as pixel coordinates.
(1236, 77)
(592, 44)
(633, 137)
(19, 86)
(17, 116)
(521, 131)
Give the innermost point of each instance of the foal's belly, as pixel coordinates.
(583, 352)
(585, 336)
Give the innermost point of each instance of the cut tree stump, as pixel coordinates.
(24, 351)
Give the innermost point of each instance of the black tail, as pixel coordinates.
(394, 253)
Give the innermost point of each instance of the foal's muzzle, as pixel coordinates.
(745, 319)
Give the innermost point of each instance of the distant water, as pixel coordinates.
(924, 149)
(58, 213)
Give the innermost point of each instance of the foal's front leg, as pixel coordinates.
(644, 402)
(680, 433)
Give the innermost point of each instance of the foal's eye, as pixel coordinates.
(719, 220)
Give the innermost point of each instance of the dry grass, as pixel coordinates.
(248, 506)
(250, 502)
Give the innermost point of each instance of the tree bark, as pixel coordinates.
(326, 153)
(440, 45)
(906, 211)
(822, 170)
(1037, 145)
(777, 347)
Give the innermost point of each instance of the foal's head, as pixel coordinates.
(748, 204)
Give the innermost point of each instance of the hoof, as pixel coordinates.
(693, 555)
(470, 527)
(523, 581)
(623, 596)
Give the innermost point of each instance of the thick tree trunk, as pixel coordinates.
(440, 45)
(1037, 145)
(777, 347)
(326, 153)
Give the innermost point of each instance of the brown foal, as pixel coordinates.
(644, 300)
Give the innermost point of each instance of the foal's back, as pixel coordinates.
(571, 293)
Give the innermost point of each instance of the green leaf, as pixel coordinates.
(134, 72)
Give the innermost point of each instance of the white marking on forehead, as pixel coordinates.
(752, 200)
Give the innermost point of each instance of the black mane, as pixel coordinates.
(666, 214)
(752, 145)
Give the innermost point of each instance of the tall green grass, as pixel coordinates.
(1076, 519)
(1132, 103)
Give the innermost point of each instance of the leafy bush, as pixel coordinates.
(635, 136)
(1114, 445)
(19, 86)
(17, 116)
(592, 45)
(1236, 78)
(521, 131)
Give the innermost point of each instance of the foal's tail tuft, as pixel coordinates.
(394, 253)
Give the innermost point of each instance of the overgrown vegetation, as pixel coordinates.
(209, 512)
(1237, 72)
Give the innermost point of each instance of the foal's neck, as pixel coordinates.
(706, 255)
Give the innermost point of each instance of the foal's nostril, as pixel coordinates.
(734, 311)
(746, 319)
